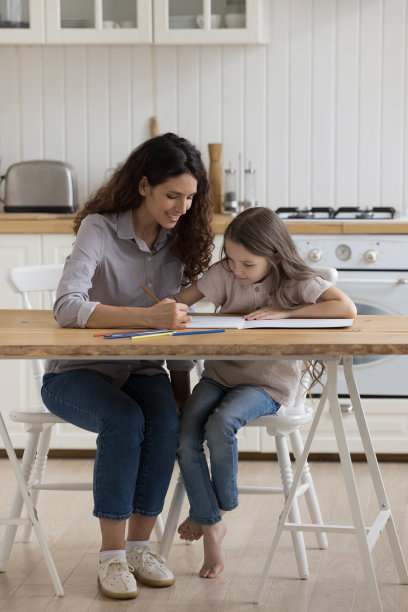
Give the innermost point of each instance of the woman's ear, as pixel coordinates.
(144, 187)
(276, 258)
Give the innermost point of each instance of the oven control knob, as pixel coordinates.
(370, 256)
(315, 255)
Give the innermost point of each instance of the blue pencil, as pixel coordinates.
(207, 331)
(135, 333)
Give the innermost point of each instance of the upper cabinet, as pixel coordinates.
(130, 21)
(22, 21)
(98, 21)
(193, 22)
(76, 21)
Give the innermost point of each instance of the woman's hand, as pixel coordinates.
(267, 313)
(168, 314)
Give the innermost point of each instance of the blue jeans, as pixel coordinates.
(137, 429)
(215, 413)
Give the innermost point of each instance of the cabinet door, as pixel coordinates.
(22, 23)
(55, 247)
(207, 22)
(18, 391)
(98, 21)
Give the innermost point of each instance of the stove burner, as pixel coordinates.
(355, 212)
(315, 212)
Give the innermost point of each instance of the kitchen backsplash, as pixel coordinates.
(321, 112)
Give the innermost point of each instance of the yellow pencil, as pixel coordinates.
(152, 335)
(150, 293)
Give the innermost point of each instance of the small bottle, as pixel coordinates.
(249, 188)
(230, 205)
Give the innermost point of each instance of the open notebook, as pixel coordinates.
(233, 322)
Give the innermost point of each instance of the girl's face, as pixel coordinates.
(166, 202)
(246, 266)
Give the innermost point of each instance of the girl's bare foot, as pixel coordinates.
(213, 561)
(190, 530)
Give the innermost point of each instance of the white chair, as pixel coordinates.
(37, 422)
(283, 426)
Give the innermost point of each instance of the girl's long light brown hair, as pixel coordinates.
(262, 232)
(158, 159)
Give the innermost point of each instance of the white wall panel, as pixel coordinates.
(300, 134)
(278, 77)
(370, 101)
(98, 88)
(76, 114)
(323, 102)
(347, 108)
(321, 111)
(53, 102)
(32, 118)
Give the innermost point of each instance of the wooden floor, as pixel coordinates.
(335, 583)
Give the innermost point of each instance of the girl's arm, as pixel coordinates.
(189, 296)
(332, 304)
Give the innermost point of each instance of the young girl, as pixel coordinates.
(148, 225)
(261, 274)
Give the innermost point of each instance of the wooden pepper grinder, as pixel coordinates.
(215, 176)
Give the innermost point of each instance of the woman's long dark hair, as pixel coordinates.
(158, 159)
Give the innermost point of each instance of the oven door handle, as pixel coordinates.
(371, 281)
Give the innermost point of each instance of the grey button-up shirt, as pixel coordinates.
(108, 265)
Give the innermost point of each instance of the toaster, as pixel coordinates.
(41, 186)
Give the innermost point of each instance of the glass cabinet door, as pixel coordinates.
(99, 21)
(21, 21)
(207, 21)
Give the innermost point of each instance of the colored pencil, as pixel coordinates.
(143, 333)
(152, 335)
(190, 333)
(125, 331)
(150, 293)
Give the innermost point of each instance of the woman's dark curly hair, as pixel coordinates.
(158, 159)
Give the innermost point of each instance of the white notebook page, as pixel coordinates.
(234, 322)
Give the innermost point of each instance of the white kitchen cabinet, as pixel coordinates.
(195, 22)
(98, 21)
(24, 26)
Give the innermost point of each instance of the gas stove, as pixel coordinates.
(344, 212)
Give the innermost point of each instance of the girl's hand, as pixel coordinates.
(168, 314)
(267, 313)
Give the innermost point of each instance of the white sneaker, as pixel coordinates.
(116, 579)
(149, 568)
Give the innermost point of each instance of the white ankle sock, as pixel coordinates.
(130, 545)
(105, 555)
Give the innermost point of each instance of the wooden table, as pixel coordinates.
(34, 334)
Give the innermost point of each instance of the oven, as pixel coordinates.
(373, 271)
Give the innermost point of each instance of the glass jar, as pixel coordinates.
(230, 204)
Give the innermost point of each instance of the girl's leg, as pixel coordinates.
(204, 506)
(239, 405)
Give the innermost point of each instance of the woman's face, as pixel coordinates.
(166, 202)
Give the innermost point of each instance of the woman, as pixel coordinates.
(148, 225)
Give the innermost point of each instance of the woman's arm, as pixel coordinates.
(332, 304)
(166, 314)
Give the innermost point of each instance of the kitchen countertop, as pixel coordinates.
(44, 223)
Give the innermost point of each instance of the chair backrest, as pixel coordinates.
(28, 279)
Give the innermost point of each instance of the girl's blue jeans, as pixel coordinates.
(215, 413)
(137, 427)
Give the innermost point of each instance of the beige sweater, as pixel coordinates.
(279, 378)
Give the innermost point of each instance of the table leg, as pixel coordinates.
(32, 514)
(375, 473)
(351, 489)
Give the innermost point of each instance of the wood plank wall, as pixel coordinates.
(321, 111)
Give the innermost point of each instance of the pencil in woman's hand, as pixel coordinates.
(150, 293)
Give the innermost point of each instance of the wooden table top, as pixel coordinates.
(34, 333)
